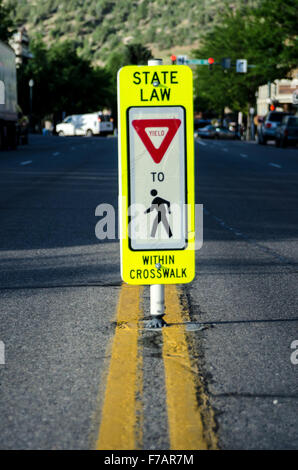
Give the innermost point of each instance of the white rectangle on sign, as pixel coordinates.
(157, 178)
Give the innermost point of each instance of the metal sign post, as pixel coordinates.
(156, 180)
(157, 291)
(2, 92)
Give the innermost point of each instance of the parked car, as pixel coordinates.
(267, 129)
(287, 132)
(224, 133)
(86, 124)
(199, 123)
(207, 132)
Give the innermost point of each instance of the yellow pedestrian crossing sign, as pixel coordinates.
(156, 174)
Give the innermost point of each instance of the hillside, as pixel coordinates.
(100, 27)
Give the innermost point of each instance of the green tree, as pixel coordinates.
(117, 60)
(6, 22)
(63, 81)
(132, 54)
(275, 23)
(261, 36)
(137, 54)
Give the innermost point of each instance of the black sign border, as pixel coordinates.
(129, 184)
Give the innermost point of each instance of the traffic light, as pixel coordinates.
(226, 63)
(173, 59)
(273, 104)
(210, 62)
(181, 60)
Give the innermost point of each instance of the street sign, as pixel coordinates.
(241, 66)
(295, 97)
(197, 61)
(156, 181)
(156, 134)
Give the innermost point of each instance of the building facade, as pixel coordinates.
(20, 44)
(279, 94)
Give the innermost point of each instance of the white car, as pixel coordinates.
(86, 124)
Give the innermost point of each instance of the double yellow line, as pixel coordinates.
(121, 417)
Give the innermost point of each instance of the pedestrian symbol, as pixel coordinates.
(160, 206)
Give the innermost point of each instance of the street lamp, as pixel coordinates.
(31, 85)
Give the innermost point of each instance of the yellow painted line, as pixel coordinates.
(185, 415)
(121, 420)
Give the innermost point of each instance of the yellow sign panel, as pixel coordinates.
(156, 174)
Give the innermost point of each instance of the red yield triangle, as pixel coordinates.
(156, 153)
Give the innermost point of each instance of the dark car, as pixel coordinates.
(199, 123)
(267, 129)
(207, 132)
(224, 133)
(287, 132)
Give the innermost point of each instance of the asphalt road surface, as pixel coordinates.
(82, 371)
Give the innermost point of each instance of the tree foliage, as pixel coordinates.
(63, 81)
(263, 36)
(105, 23)
(137, 54)
(6, 22)
(131, 54)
